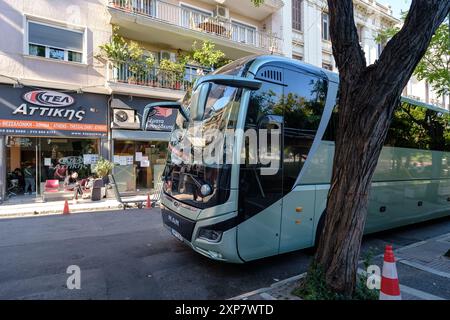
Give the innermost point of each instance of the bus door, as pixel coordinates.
(260, 180)
(305, 97)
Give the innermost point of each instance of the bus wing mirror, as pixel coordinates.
(231, 81)
(150, 110)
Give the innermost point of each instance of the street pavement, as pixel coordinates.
(130, 255)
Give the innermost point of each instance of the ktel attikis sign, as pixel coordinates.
(48, 103)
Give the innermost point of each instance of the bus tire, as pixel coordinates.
(318, 232)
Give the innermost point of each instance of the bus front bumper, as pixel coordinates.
(186, 231)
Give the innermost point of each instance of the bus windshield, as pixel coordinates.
(198, 171)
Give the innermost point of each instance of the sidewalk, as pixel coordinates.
(33, 206)
(423, 270)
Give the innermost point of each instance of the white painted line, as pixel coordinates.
(418, 293)
(425, 268)
(267, 296)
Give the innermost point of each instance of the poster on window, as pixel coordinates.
(145, 163)
(161, 119)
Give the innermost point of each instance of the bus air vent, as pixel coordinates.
(271, 74)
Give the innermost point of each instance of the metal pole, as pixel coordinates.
(37, 167)
(3, 182)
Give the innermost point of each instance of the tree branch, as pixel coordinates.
(349, 56)
(412, 41)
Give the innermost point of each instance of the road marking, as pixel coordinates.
(424, 268)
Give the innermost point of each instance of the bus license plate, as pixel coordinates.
(177, 235)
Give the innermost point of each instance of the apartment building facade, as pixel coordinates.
(62, 104)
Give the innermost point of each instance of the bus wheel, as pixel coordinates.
(319, 229)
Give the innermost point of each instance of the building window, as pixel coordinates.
(327, 66)
(297, 57)
(243, 33)
(192, 73)
(325, 26)
(55, 42)
(297, 14)
(192, 18)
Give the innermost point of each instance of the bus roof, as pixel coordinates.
(259, 61)
(254, 62)
(423, 104)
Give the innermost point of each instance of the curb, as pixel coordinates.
(263, 291)
(56, 212)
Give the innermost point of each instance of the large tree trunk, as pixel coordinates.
(367, 97)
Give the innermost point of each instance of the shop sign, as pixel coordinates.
(49, 112)
(48, 98)
(161, 119)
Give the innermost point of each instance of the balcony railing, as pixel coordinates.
(201, 21)
(153, 77)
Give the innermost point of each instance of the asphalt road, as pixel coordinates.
(129, 255)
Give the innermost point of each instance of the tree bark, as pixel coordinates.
(367, 97)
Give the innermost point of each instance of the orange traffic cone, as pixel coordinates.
(66, 208)
(390, 287)
(148, 205)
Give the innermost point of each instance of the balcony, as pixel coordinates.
(164, 23)
(257, 13)
(153, 82)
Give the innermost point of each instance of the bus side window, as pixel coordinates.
(303, 105)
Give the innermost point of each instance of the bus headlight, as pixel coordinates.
(205, 190)
(210, 235)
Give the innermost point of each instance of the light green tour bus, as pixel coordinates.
(234, 211)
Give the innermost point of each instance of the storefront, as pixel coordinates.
(139, 156)
(47, 134)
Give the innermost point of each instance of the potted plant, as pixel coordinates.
(102, 168)
(116, 51)
(173, 71)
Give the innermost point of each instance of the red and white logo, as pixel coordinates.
(163, 112)
(48, 98)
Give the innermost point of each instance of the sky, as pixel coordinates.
(397, 5)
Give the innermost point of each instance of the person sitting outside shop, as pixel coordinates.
(71, 183)
(86, 185)
(60, 172)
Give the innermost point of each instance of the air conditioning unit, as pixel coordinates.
(222, 12)
(125, 118)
